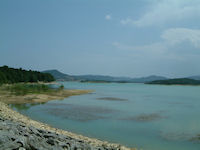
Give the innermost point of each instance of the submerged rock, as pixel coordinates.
(145, 117)
(78, 112)
(176, 136)
(195, 138)
(112, 99)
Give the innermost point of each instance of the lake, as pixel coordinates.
(149, 117)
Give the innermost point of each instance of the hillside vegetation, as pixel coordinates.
(178, 81)
(101, 78)
(28, 88)
(12, 75)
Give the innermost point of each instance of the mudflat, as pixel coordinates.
(8, 94)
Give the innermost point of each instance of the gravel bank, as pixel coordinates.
(20, 132)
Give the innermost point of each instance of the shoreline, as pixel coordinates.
(9, 98)
(7, 113)
(15, 117)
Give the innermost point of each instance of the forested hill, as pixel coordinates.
(177, 81)
(12, 75)
(101, 78)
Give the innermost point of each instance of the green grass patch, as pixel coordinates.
(26, 88)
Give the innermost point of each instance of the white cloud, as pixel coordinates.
(155, 51)
(154, 47)
(169, 46)
(177, 52)
(165, 11)
(170, 37)
(108, 17)
(178, 35)
(127, 21)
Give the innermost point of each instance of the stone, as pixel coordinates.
(22, 148)
(15, 135)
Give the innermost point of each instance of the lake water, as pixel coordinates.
(149, 117)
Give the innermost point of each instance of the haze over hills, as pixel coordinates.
(177, 81)
(195, 77)
(65, 77)
(59, 75)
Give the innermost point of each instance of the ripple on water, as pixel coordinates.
(112, 99)
(145, 117)
(176, 136)
(78, 112)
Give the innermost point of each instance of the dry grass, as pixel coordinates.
(24, 93)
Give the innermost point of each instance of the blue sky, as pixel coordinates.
(108, 37)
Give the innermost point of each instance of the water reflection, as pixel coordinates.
(20, 107)
(145, 117)
(112, 99)
(78, 112)
(176, 136)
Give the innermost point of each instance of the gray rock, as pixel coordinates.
(14, 135)
(22, 148)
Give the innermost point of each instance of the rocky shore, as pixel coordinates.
(16, 135)
(18, 132)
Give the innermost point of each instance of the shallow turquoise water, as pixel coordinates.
(150, 117)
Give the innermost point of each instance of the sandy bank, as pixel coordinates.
(9, 98)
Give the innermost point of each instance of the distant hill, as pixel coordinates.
(118, 79)
(195, 77)
(65, 77)
(13, 75)
(59, 75)
(148, 79)
(178, 81)
(101, 78)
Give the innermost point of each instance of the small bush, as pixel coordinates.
(61, 87)
(23, 89)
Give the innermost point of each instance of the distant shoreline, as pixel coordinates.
(42, 98)
(9, 98)
(8, 114)
(177, 81)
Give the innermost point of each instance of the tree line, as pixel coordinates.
(177, 81)
(12, 75)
